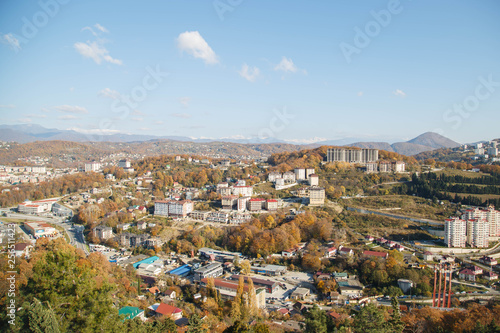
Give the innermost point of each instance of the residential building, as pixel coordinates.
(398, 166)
(491, 216)
(173, 208)
(218, 216)
(93, 167)
(124, 164)
(246, 191)
(211, 270)
(289, 177)
(405, 285)
(36, 207)
(376, 254)
(273, 176)
(162, 309)
(478, 233)
(199, 214)
(131, 312)
(385, 166)
(309, 172)
(352, 155)
(300, 293)
(313, 180)
(330, 252)
(485, 260)
(229, 202)
(455, 232)
(242, 203)
(256, 204)
(300, 174)
(272, 204)
(103, 232)
(316, 196)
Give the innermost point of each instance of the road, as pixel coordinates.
(75, 234)
(367, 211)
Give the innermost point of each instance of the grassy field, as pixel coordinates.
(410, 206)
(455, 172)
(480, 196)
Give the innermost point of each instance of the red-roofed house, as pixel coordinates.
(488, 261)
(288, 253)
(383, 255)
(345, 251)
(468, 274)
(168, 310)
(272, 204)
(330, 252)
(490, 276)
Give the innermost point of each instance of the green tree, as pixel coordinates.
(196, 325)
(370, 319)
(315, 320)
(42, 319)
(395, 322)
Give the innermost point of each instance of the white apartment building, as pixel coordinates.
(490, 215)
(35, 207)
(455, 232)
(313, 179)
(273, 176)
(300, 174)
(289, 177)
(246, 191)
(316, 196)
(309, 172)
(173, 208)
(92, 167)
(478, 233)
(124, 164)
(352, 155)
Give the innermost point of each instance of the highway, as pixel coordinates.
(75, 234)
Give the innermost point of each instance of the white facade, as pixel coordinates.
(173, 208)
(300, 174)
(92, 167)
(478, 233)
(455, 232)
(246, 191)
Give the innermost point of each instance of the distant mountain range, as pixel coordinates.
(31, 132)
(423, 142)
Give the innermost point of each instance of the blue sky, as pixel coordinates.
(293, 70)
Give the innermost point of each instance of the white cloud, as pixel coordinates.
(360, 93)
(68, 117)
(96, 51)
(181, 115)
(192, 43)
(137, 113)
(98, 27)
(9, 106)
(71, 109)
(101, 28)
(24, 120)
(145, 129)
(306, 141)
(249, 73)
(159, 122)
(93, 131)
(34, 115)
(286, 65)
(109, 93)
(137, 118)
(10, 40)
(399, 93)
(184, 101)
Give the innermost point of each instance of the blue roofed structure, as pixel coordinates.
(149, 260)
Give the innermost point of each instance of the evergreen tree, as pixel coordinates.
(315, 320)
(196, 325)
(370, 319)
(395, 323)
(42, 319)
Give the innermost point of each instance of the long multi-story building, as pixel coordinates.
(489, 215)
(246, 191)
(352, 155)
(93, 167)
(103, 232)
(478, 233)
(173, 208)
(211, 270)
(455, 232)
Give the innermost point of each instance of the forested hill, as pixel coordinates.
(66, 153)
